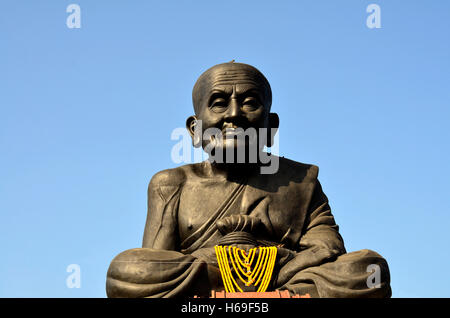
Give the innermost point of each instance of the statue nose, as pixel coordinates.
(234, 109)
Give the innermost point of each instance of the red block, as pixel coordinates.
(273, 294)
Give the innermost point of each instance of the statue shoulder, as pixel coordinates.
(168, 177)
(309, 172)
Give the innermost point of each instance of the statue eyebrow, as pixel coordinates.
(251, 91)
(217, 91)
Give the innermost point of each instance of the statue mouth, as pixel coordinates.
(233, 136)
(231, 132)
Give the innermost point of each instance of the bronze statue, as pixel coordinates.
(195, 207)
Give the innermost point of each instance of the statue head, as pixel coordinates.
(231, 98)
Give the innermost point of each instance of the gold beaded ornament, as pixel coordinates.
(242, 262)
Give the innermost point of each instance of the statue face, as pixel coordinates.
(232, 97)
(232, 106)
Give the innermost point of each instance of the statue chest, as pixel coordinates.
(199, 203)
(202, 204)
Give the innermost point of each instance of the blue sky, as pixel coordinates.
(87, 114)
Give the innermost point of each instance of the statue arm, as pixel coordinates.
(320, 241)
(321, 231)
(160, 230)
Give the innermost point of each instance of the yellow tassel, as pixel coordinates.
(242, 262)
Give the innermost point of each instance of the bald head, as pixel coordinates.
(227, 75)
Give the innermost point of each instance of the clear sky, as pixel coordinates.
(86, 117)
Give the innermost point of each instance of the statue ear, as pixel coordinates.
(191, 122)
(274, 123)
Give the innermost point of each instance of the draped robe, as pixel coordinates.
(180, 235)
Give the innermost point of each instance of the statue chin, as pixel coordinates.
(234, 145)
(234, 151)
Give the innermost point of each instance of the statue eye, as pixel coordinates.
(251, 104)
(219, 105)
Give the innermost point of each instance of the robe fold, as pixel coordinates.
(132, 273)
(294, 212)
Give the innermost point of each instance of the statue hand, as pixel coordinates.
(238, 223)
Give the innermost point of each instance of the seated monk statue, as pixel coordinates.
(231, 201)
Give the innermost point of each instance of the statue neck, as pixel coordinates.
(229, 170)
